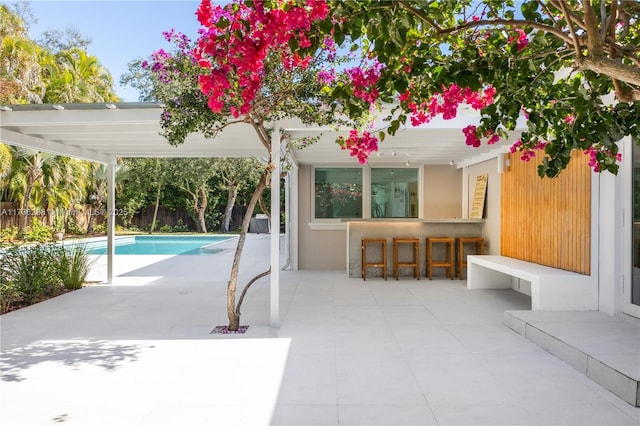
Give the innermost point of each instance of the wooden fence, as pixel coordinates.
(10, 216)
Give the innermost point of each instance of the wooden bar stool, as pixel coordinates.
(415, 264)
(448, 262)
(478, 247)
(366, 264)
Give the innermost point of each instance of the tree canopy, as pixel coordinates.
(571, 68)
(57, 69)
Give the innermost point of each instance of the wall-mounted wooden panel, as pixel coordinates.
(547, 221)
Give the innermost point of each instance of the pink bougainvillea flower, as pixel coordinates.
(364, 82)
(526, 154)
(404, 97)
(522, 41)
(236, 39)
(493, 138)
(472, 138)
(327, 77)
(594, 152)
(360, 146)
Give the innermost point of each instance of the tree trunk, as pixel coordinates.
(232, 312)
(155, 210)
(24, 214)
(231, 201)
(90, 222)
(200, 203)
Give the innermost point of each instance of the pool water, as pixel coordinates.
(166, 245)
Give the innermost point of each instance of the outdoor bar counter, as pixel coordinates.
(403, 228)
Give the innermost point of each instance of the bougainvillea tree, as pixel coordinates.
(569, 68)
(244, 69)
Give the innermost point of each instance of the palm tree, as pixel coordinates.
(29, 169)
(97, 186)
(68, 187)
(78, 77)
(20, 71)
(5, 161)
(98, 190)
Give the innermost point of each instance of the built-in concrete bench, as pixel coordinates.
(551, 289)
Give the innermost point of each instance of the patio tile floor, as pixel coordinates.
(348, 352)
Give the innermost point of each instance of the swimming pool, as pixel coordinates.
(165, 245)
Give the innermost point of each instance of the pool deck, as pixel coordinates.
(139, 352)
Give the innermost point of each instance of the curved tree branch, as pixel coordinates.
(576, 19)
(576, 42)
(246, 287)
(594, 41)
(483, 23)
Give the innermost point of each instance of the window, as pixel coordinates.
(338, 193)
(394, 192)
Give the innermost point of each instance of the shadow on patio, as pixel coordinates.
(347, 352)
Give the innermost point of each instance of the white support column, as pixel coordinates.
(275, 229)
(294, 209)
(287, 221)
(111, 207)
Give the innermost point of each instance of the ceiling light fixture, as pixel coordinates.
(58, 107)
(110, 106)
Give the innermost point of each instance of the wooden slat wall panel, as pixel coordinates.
(547, 221)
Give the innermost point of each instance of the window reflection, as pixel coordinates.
(394, 192)
(338, 193)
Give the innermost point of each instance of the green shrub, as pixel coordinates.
(33, 270)
(73, 227)
(74, 267)
(165, 228)
(9, 295)
(100, 228)
(180, 226)
(155, 228)
(9, 234)
(38, 232)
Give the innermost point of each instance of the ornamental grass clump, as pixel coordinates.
(32, 271)
(74, 267)
(35, 272)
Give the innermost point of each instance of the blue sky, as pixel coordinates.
(120, 31)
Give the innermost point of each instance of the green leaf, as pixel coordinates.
(400, 85)
(393, 127)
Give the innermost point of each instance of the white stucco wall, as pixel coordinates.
(614, 221)
(491, 229)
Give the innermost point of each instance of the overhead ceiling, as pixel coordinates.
(101, 132)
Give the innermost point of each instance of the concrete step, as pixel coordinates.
(604, 348)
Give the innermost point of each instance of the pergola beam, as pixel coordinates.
(14, 138)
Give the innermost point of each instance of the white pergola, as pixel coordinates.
(102, 132)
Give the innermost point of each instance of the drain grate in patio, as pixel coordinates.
(223, 329)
